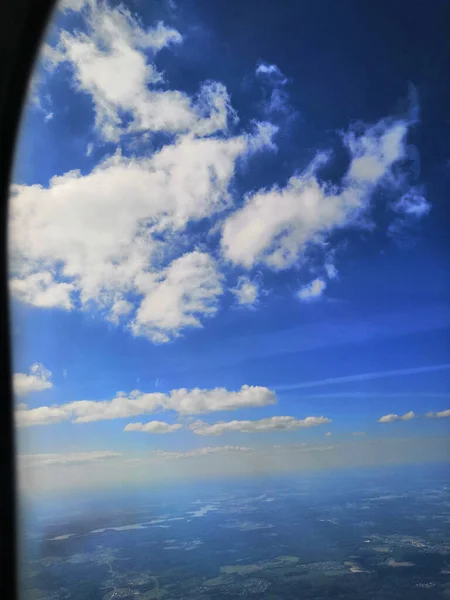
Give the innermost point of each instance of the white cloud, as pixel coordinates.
(268, 424)
(106, 234)
(153, 427)
(37, 380)
(438, 415)
(197, 401)
(393, 417)
(110, 63)
(41, 289)
(189, 287)
(70, 458)
(328, 433)
(312, 291)
(48, 117)
(208, 450)
(182, 401)
(89, 149)
(275, 226)
(246, 291)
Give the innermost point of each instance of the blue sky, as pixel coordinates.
(228, 239)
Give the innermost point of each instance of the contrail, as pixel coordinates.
(362, 377)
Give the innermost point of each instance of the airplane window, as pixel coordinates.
(228, 236)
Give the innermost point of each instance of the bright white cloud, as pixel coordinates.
(182, 401)
(312, 291)
(442, 414)
(268, 424)
(153, 427)
(70, 458)
(110, 63)
(197, 401)
(275, 226)
(198, 452)
(106, 234)
(37, 380)
(393, 417)
(189, 287)
(246, 291)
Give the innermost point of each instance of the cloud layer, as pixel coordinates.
(198, 452)
(182, 401)
(66, 459)
(268, 424)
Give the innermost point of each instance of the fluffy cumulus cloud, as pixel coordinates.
(246, 291)
(118, 223)
(312, 291)
(37, 380)
(153, 427)
(276, 225)
(123, 250)
(268, 424)
(441, 414)
(182, 401)
(199, 452)
(109, 63)
(67, 459)
(390, 418)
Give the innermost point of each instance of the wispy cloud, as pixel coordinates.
(363, 377)
(268, 424)
(246, 291)
(66, 459)
(199, 452)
